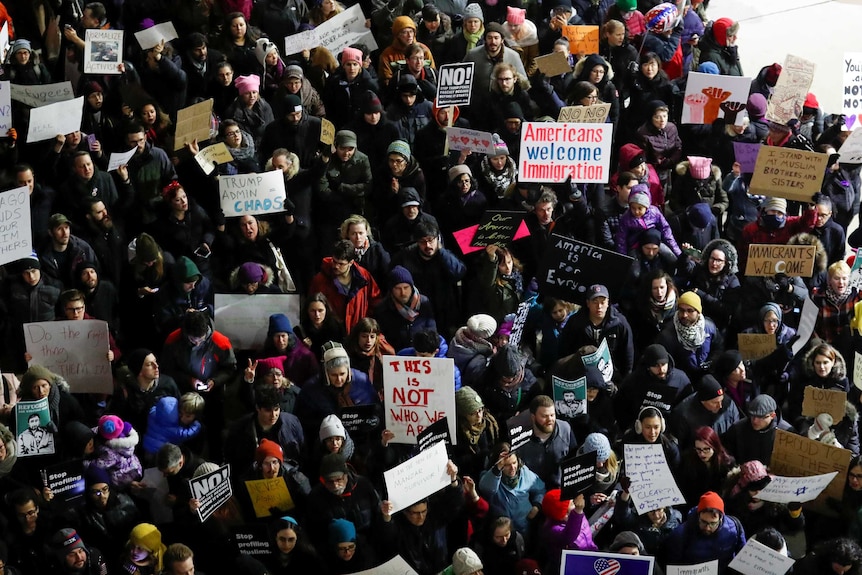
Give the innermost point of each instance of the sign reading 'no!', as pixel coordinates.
(455, 84)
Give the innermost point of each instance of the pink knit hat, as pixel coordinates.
(700, 167)
(245, 84)
(351, 55)
(110, 427)
(515, 16)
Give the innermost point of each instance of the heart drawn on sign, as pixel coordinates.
(849, 121)
(486, 143)
(465, 140)
(606, 566)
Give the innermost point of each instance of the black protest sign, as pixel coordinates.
(571, 266)
(500, 228)
(252, 539)
(662, 397)
(212, 490)
(577, 474)
(520, 321)
(455, 84)
(520, 429)
(360, 419)
(437, 431)
(66, 482)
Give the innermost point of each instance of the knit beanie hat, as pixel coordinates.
(20, 44)
(399, 147)
(371, 104)
(94, 475)
(34, 374)
(262, 48)
(76, 436)
(710, 500)
(527, 567)
(204, 468)
(473, 11)
(761, 406)
(110, 427)
(500, 147)
(756, 106)
(640, 195)
(709, 388)
(465, 561)
(725, 363)
(515, 16)
(700, 215)
(331, 426)
(779, 204)
(293, 71)
(268, 448)
(599, 443)
(513, 110)
(482, 325)
(402, 23)
(495, 27)
(351, 55)
(508, 361)
(650, 236)
(278, 323)
(341, 531)
(467, 401)
(146, 248)
(332, 465)
(553, 508)
(267, 364)
(627, 539)
(771, 307)
(627, 5)
(700, 167)
(753, 476)
(655, 354)
(457, 170)
(91, 88)
(772, 73)
(708, 68)
(690, 298)
(250, 273)
(291, 103)
(135, 360)
(245, 84)
(148, 536)
(399, 275)
(65, 541)
(333, 350)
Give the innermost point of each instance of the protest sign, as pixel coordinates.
(345, 29)
(209, 156)
(851, 149)
(520, 321)
(553, 152)
(327, 132)
(66, 482)
(790, 91)
(712, 96)
(417, 478)
(500, 228)
(708, 568)
(42, 94)
(789, 174)
(520, 429)
(470, 140)
(597, 563)
(577, 474)
(851, 103)
(755, 345)
(4, 41)
(757, 559)
(16, 237)
(153, 36)
(245, 318)
(395, 566)
(75, 350)
(797, 456)
(857, 369)
(266, 494)
(437, 431)
(212, 490)
(360, 419)
(121, 159)
(5, 107)
(553, 64)
(661, 397)
(595, 114)
(652, 486)
(816, 401)
(418, 392)
(103, 51)
(601, 358)
(252, 539)
(571, 266)
(155, 491)
(252, 194)
(52, 119)
(296, 43)
(570, 397)
(193, 123)
(746, 155)
(32, 420)
(766, 260)
(455, 84)
(807, 321)
(582, 39)
(790, 489)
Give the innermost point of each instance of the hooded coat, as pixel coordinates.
(164, 426)
(713, 48)
(117, 457)
(688, 191)
(805, 376)
(352, 304)
(719, 294)
(634, 392)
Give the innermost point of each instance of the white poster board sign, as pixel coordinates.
(758, 559)
(252, 194)
(807, 320)
(212, 490)
(653, 486)
(153, 36)
(59, 118)
(796, 489)
(712, 96)
(296, 43)
(418, 391)
(708, 568)
(395, 566)
(75, 350)
(790, 89)
(245, 318)
(103, 51)
(5, 108)
(345, 29)
(16, 237)
(851, 149)
(42, 94)
(851, 106)
(555, 152)
(471, 140)
(417, 478)
(209, 156)
(120, 159)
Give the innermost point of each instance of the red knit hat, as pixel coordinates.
(266, 449)
(710, 500)
(553, 508)
(772, 73)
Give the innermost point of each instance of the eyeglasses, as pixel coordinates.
(347, 548)
(592, 97)
(29, 514)
(100, 492)
(716, 260)
(709, 524)
(771, 321)
(397, 161)
(76, 309)
(855, 476)
(703, 449)
(234, 133)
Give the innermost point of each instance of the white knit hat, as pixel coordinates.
(482, 325)
(331, 426)
(821, 424)
(465, 561)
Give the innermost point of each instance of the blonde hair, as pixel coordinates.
(838, 267)
(192, 402)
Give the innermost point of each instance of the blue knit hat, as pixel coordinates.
(708, 68)
(95, 474)
(399, 147)
(399, 275)
(278, 323)
(599, 443)
(341, 531)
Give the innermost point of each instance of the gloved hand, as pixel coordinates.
(625, 483)
(289, 207)
(783, 282)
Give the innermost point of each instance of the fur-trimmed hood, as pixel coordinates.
(587, 63)
(821, 258)
(839, 370)
(682, 169)
(268, 279)
(294, 166)
(729, 252)
(121, 444)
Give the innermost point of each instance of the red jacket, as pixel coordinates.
(754, 233)
(354, 305)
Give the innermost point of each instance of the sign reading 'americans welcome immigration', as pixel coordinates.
(555, 152)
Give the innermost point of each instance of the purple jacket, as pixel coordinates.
(631, 229)
(117, 457)
(557, 536)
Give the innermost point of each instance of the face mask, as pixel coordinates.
(139, 555)
(772, 222)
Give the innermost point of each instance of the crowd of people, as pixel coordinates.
(367, 242)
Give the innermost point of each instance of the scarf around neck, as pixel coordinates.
(473, 38)
(410, 311)
(691, 337)
(837, 299)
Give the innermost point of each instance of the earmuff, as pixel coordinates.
(639, 427)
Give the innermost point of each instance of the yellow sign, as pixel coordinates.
(582, 39)
(268, 493)
(766, 260)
